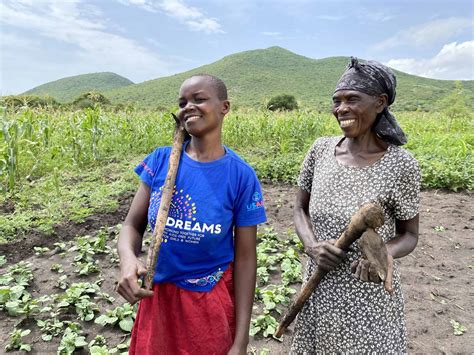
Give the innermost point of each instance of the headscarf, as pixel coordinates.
(373, 78)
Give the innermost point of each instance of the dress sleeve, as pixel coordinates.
(249, 208)
(407, 194)
(305, 180)
(146, 169)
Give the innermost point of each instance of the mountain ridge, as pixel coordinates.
(68, 88)
(253, 77)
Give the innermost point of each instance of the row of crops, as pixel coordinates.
(36, 143)
(75, 309)
(70, 164)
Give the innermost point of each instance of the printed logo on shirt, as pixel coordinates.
(147, 169)
(182, 223)
(257, 202)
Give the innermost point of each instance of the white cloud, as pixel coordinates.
(454, 62)
(190, 16)
(424, 35)
(84, 28)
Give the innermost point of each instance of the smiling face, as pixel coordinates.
(356, 112)
(200, 108)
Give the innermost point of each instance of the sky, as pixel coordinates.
(46, 40)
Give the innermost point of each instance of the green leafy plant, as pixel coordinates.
(40, 250)
(265, 324)
(16, 341)
(84, 268)
(121, 315)
(78, 296)
(62, 282)
(57, 268)
(71, 340)
(17, 274)
(23, 305)
(122, 348)
(439, 228)
(458, 328)
(50, 328)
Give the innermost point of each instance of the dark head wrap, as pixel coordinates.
(373, 78)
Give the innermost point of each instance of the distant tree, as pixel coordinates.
(90, 99)
(282, 102)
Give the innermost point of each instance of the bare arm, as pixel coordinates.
(129, 246)
(326, 255)
(406, 237)
(245, 270)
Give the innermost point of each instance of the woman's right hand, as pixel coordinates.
(326, 254)
(130, 271)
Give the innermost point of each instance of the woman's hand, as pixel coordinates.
(130, 271)
(326, 254)
(364, 270)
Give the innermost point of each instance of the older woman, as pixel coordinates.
(351, 310)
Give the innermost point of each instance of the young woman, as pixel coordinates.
(204, 282)
(353, 313)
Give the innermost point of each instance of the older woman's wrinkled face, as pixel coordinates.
(356, 112)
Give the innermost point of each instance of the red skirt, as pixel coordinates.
(178, 322)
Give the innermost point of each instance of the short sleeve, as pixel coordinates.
(407, 194)
(249, 208)
(305, 179)
(147, 168)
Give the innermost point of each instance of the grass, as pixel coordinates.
(82, 193)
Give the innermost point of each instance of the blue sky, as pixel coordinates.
(45, 40)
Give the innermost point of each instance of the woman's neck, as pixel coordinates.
(367, 143)
(205, 150)
(361, 151)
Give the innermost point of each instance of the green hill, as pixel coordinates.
(253, 77)
(68, 89)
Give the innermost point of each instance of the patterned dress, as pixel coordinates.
(344, 314)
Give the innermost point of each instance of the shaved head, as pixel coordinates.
(217, 83)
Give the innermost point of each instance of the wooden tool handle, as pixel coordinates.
(165, 202)
(368, 216)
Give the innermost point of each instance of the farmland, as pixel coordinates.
(66, 183)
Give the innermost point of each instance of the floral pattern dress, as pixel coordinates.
(344, 314)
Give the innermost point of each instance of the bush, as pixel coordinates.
(90, 99)
(282, 102)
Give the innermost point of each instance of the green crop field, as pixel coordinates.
(42, 152)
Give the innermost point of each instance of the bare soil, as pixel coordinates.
(436, 277)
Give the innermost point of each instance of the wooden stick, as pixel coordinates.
(368, 216)
(165, 202)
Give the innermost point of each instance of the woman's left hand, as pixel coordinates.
(364, 270)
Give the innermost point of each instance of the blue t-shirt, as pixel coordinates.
(209, 200)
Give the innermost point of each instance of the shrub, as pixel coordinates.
(90, 99)
(282, 102)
